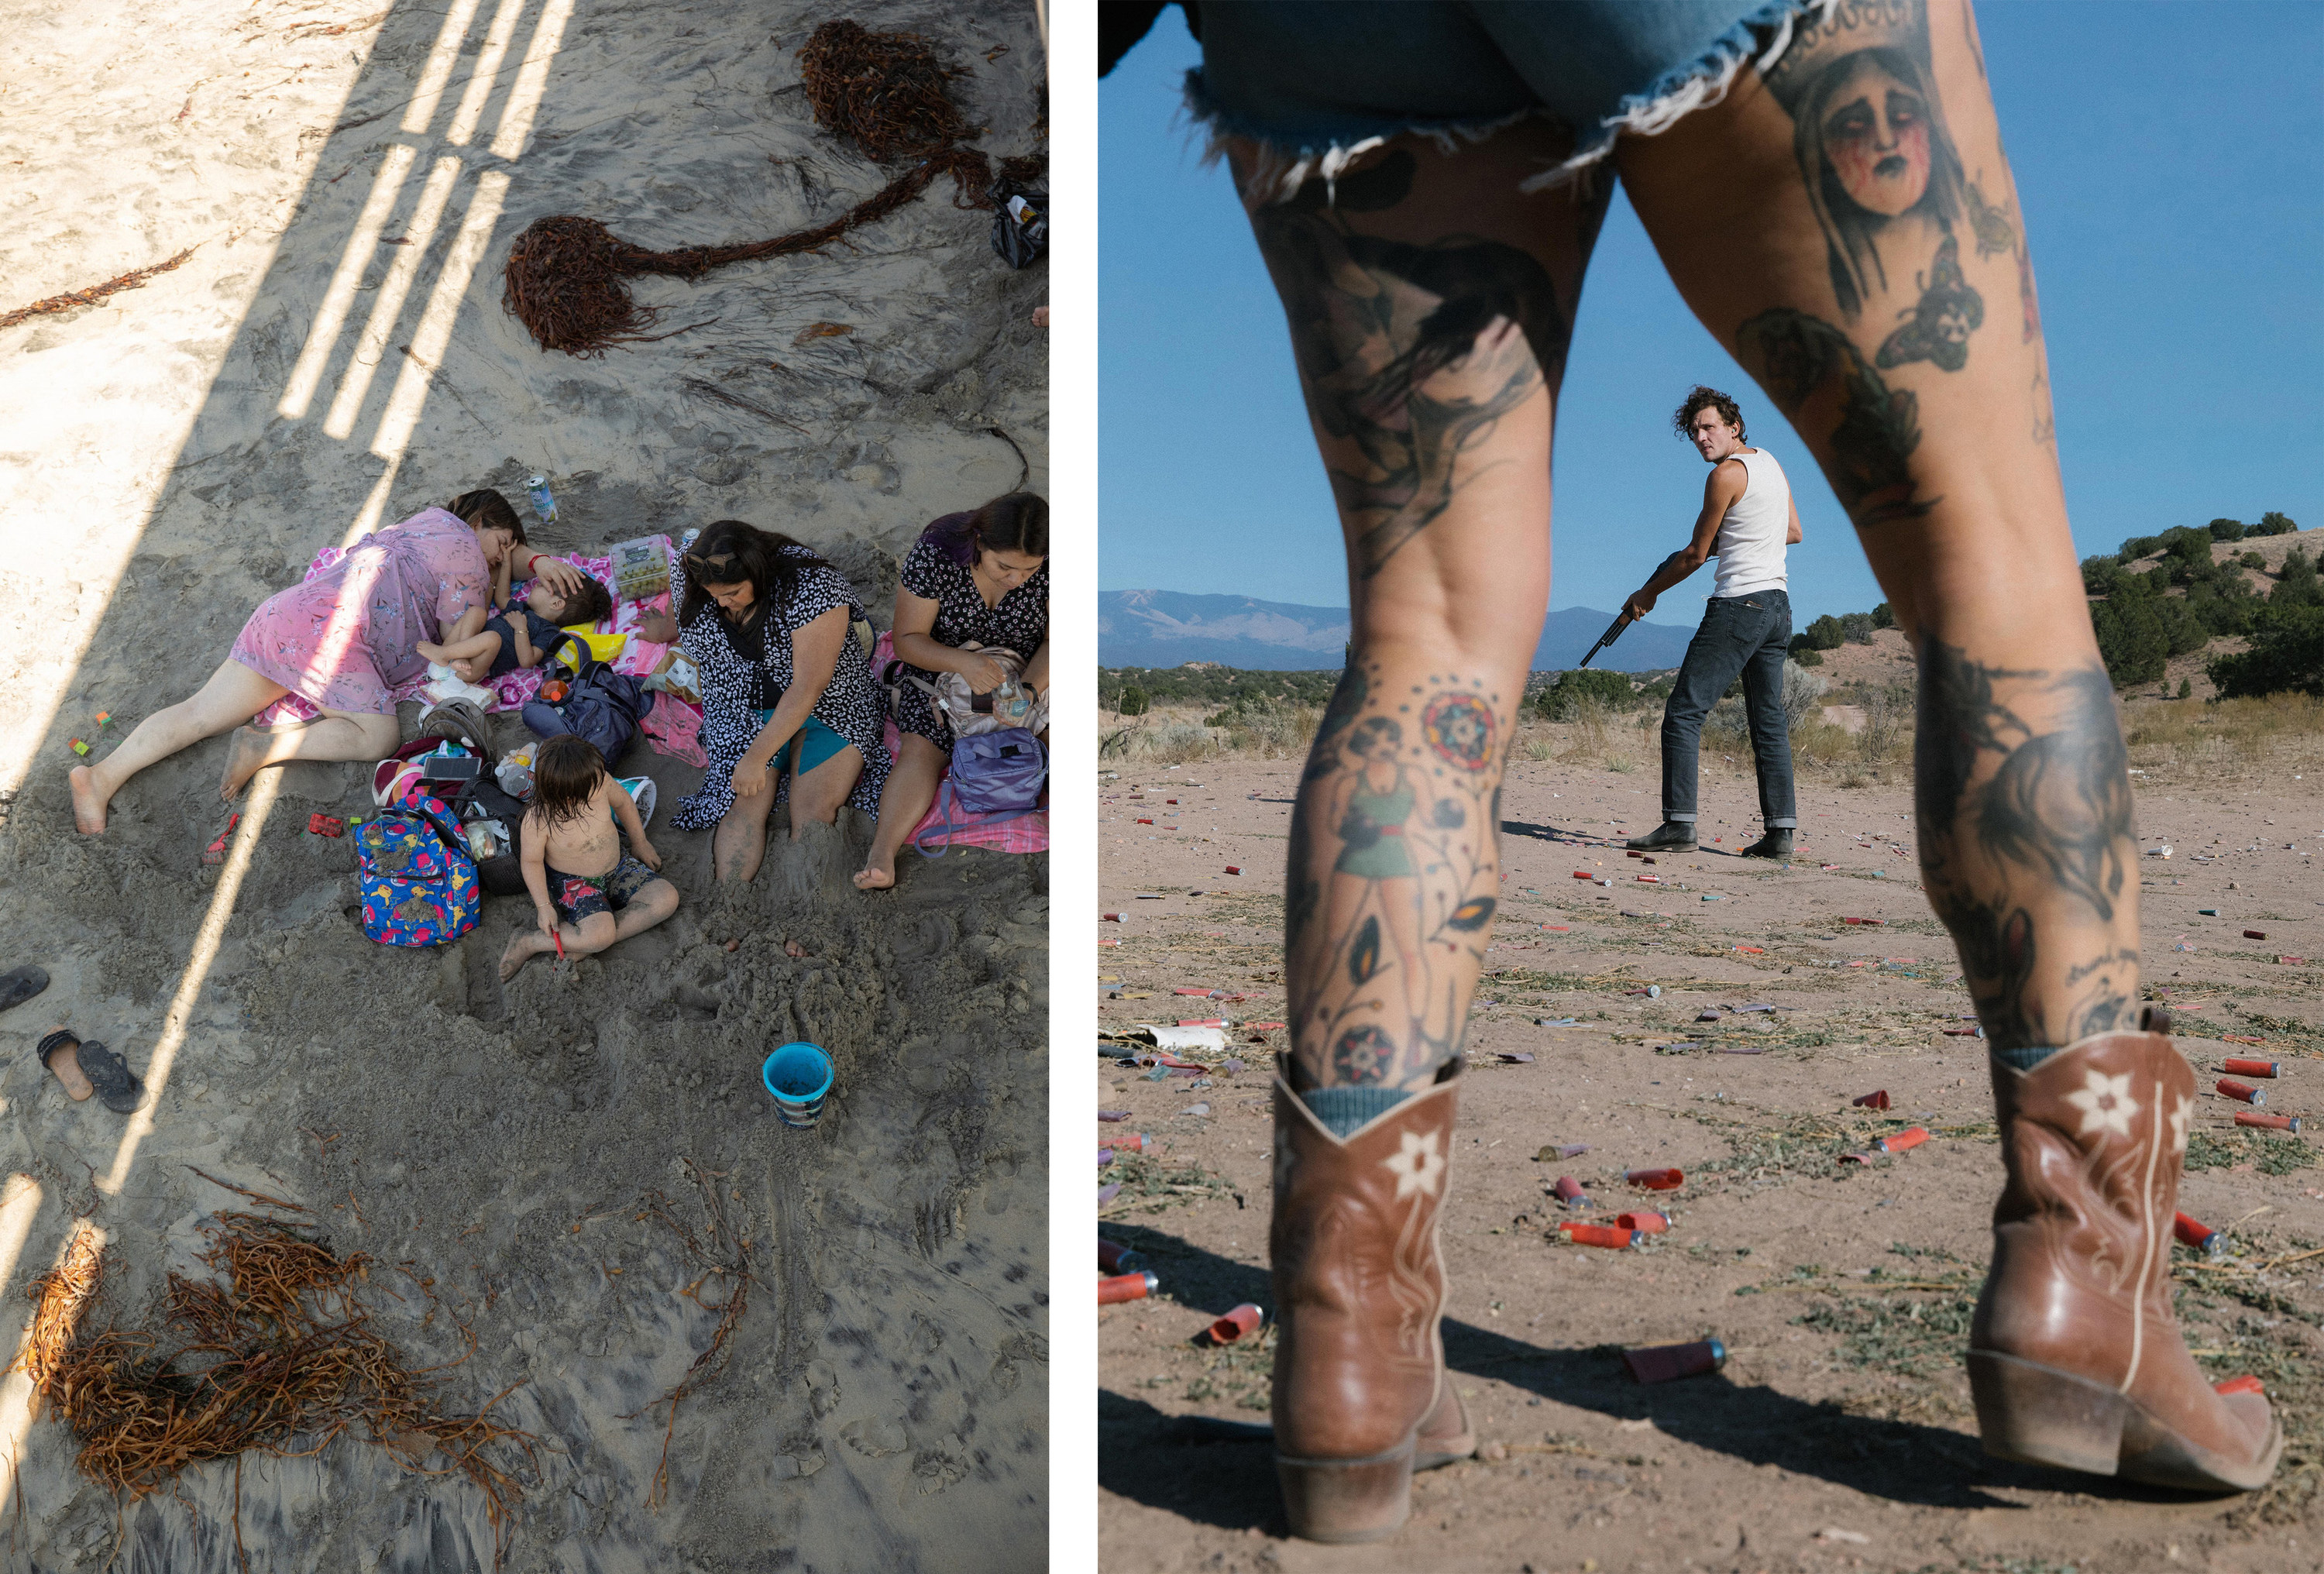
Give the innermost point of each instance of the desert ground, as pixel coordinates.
(1839, 1435)
(562, 1185)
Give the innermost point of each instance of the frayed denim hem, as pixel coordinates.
(1283, 166)
(1684, 89)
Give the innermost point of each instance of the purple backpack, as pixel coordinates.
(996, 771)
(1000, 773)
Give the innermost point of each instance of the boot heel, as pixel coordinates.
(1343, 1501)
(2039, 1415)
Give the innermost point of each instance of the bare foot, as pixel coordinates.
(89, 806)
(64, 1061)
(245, 757)
(429, 651)
(872, 877)
(522, 947)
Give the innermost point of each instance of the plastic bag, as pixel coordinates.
(1020, 222)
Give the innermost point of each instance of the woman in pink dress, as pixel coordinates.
(341, 641)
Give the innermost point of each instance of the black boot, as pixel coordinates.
(1670, 836)
(1775, 843)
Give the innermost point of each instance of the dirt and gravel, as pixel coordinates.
(334, 355)
(1838, 1436)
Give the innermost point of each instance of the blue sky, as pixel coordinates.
(2165, 153)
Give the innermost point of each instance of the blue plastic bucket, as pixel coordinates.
(798, 1075)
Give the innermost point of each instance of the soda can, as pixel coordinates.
(2236, 1065)
(1657, 1180)
(1604, 1235)
(1113, 1257)
(1123, 1287)
(2243, 1091)
(2200, 1236)
(1644, 1221)
(2267, 1122)
(1244, 1318)
(1667, 1363)
(544, 503)
(1900, 1141)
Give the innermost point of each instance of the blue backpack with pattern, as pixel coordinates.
(417, 875)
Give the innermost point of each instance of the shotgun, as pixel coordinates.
(1609, 636)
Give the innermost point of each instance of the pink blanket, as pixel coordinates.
(674, 727)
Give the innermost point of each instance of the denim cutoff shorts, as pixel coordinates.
(1318, 81)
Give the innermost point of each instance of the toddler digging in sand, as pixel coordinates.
(574, 864)
(518, 636)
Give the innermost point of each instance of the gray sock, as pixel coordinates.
(2028, 1057)
(1344, 1109)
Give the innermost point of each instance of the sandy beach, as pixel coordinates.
(1839, 1435)
(523, 1164)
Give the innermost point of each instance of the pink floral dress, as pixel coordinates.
(344, 639)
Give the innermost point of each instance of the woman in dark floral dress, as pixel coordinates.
(981, 577)
(785, 689)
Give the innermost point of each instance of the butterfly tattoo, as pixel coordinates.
(1940, 326)
(1995, 234)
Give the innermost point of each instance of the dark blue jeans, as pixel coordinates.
(1745, 634)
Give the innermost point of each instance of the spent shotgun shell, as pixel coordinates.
(1113, 1257)
(2242, 1092)
(2236, 1066)
(1244, 1318)
(1127, 1287)
(2193, 1232)
(1874, 1101)
(1610, 1237)
(1899, 1141)
(1656, 1180)
(1667, 1363)
(2264, 1122)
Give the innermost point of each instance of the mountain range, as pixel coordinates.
(1168, 628)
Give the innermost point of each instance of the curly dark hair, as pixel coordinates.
(1699, 398)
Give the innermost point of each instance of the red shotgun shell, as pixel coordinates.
(1657, 1180)
(2236, 1066)
(1126, 1287)
(1897, 1143)
(2267, 1122)
(1113, 1257)
(2241, 1090)
(1605, 1234)
(1665, 1363)
(2200, 1236)
(1878, 1101)
(1644, 1221)
(1244, 1318)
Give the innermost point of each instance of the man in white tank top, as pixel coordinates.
(1747, 520)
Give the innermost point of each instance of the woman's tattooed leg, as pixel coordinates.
(1430, 305)
(1843, 224)
(1393, 876)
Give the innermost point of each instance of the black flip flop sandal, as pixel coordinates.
(20, 984)
(116, 1085)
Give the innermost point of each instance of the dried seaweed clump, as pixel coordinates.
(277, 1355)
(882, 91)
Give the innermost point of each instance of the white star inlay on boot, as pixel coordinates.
(1418, 1165)
(2105, 1102)
(2179, 1124)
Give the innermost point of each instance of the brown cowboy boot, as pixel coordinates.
(1360, 1395)
(2075, 1359)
